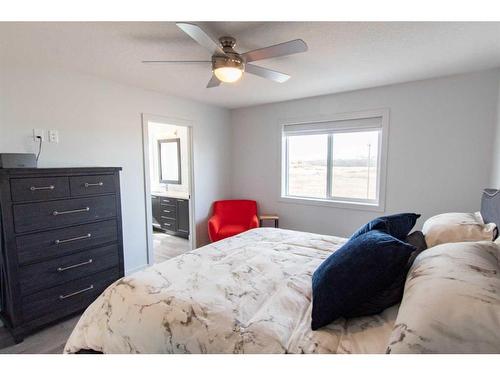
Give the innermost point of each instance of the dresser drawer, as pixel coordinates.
(47, 215)
(169, 224)
(39, 188)
(68, 268)
(59, 242)
(169, 212)
(88, 185)
(68, 298)
(168, 201)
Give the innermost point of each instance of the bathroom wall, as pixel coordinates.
(159, 131)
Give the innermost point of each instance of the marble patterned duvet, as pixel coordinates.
(247, 294)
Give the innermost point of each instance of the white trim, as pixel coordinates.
(328, 120)
(147, 190)
(147, 180)
(329, 165)
(363, 206)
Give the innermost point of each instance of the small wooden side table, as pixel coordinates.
(275, 218)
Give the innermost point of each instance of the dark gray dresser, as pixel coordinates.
(61, 242)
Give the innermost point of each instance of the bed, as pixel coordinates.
(252, 294)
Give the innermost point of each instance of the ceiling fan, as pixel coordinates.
(228, 65)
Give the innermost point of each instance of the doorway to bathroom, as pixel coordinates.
(168, 182)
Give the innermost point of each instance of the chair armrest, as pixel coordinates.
(254, 222)
(214, 224)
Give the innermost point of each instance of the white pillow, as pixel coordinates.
(457, 227)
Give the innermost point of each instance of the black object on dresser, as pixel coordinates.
(171, 215)
(61, 242)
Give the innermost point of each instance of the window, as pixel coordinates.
(335, 162)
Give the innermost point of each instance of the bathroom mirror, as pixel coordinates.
(169, 160)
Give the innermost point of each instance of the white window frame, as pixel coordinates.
(349, 203)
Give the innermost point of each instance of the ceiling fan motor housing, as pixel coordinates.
(232, 60)
(227, 43)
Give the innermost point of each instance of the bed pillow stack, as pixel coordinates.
(374, 258)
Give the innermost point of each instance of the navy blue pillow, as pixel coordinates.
(398, 225)
(393, 294)
(364, 265)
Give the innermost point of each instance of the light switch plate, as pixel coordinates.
(53, 136)
(39, 132)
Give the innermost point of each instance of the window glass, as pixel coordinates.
(355, 164)
(307, 165)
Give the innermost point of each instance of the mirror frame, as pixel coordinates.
(171, 140)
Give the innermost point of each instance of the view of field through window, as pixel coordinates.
(307, 158)
(354, 165)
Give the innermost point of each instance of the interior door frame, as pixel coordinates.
(146, 118)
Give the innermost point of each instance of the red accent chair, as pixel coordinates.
(232, 217)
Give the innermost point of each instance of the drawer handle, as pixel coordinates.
(86, 209)
(166, 217)
(61, 269)
(50, 187)
(167, 211)
(61, 297)
(88, 235)
(96, 184)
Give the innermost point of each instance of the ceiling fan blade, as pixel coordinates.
(214, 82)
(201, 37)
(267, 73)
(282, 49)
(174, 62)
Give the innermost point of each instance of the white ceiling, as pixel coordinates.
(341, 57)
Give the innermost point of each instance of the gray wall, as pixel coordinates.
(439, 155)
(99, 124)
(440, 143)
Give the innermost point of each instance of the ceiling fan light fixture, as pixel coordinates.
(228, 74)
(228, 68)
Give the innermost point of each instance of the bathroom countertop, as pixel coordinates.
(171, 194)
